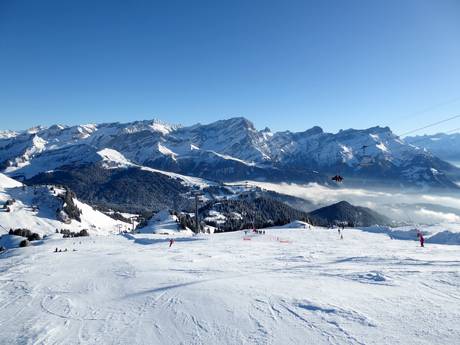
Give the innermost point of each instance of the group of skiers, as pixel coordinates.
(259, 232)
(65, 250)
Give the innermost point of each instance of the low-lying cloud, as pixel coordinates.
(408, 207)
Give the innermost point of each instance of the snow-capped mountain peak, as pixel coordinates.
(227, 149)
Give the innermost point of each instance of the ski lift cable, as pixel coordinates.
(424, 127)
(410, 132)
(421, 128)
(366, 158)
(363, 163)
(429, 125)
(422, 139)
(433, 107)
(446, 132)
(453, 130)
(457, 129)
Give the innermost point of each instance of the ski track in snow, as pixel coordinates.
(313, 289)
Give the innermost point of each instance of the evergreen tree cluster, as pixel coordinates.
(130, 190)
(67, 233)
(343, 213)
(69, 206)
(31, 236)
(260, 212)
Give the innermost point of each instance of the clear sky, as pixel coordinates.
(282, 64)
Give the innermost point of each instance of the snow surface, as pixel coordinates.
(185, 180)
(227, 157)
(165, 151)
(164, 223)
(441, 234)
(114, 159)
(10, 241)
(290, 286)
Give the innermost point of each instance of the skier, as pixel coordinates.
(421, 238)
(337, 178)
(171, 241)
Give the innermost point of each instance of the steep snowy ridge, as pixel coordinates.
(113, 159)
(34, 208)
(7, 134)
(6, 182)
(71, 155)
(231, 150)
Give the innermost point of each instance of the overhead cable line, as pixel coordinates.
(432, 107)
(429, 126)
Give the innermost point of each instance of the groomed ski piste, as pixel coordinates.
(289, 286)
(296, 284)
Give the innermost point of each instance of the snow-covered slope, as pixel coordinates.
(34, 208)
(444, 233)
(289, 286)
(113, 159)
(72, 155)
(163, 223)
(6, 182)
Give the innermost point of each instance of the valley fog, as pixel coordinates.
(401, 205)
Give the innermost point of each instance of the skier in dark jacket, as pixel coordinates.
(421, 238)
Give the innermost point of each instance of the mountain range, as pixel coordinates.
(445, 146)
(228, 150)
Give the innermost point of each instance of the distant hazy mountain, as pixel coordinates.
(445, 146)
(228, 150)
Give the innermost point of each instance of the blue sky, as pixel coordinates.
(282, 64)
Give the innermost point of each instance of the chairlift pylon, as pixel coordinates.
(366, 159)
